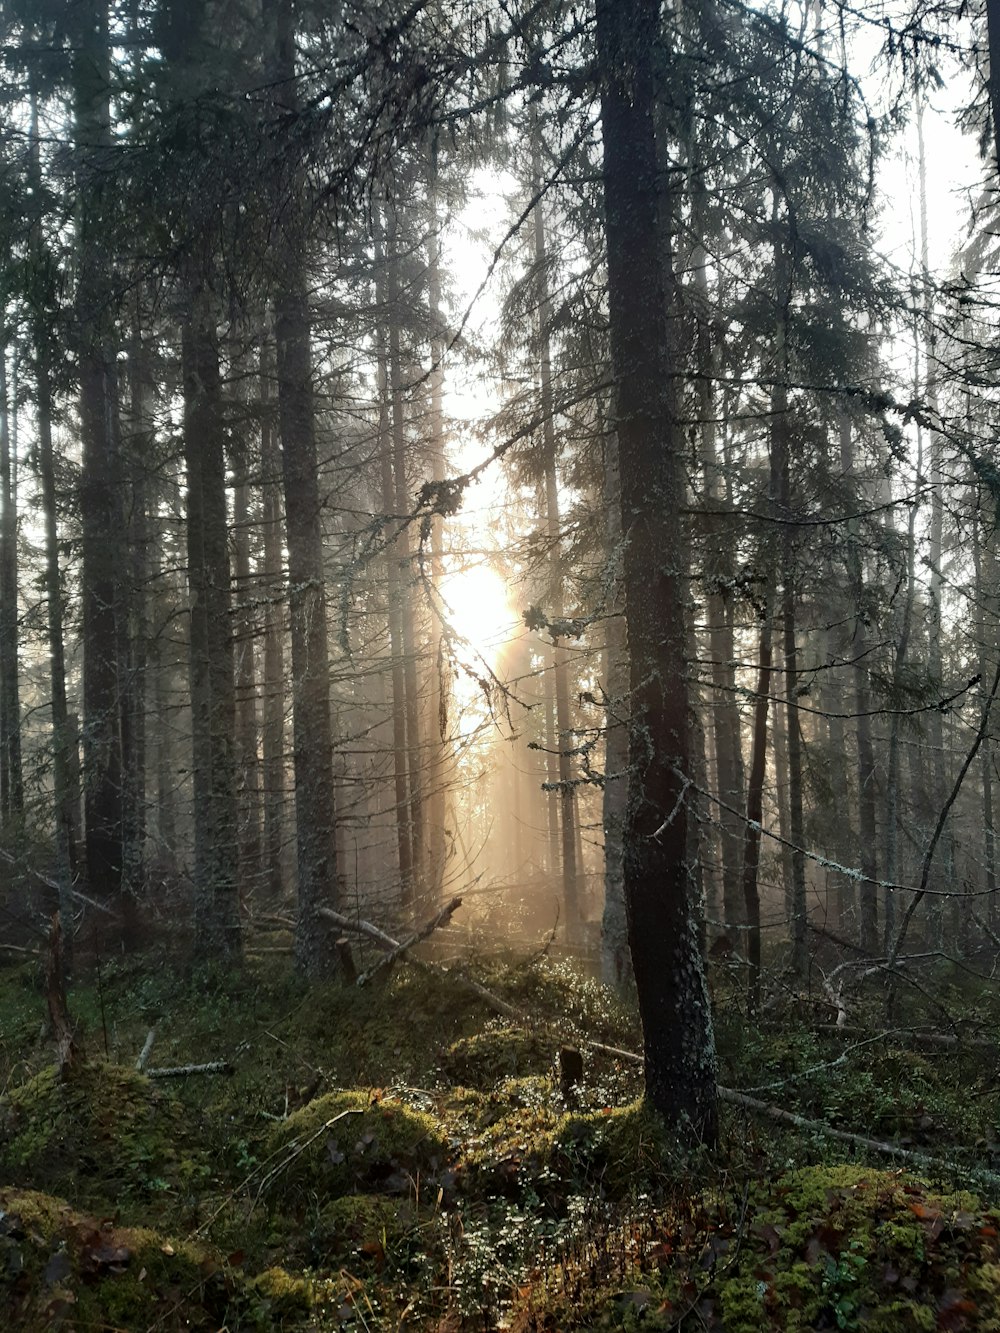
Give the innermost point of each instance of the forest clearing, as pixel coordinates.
(499, 606)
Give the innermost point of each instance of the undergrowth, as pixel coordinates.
(400, 1157)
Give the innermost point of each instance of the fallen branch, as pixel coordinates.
(881, 1146)
(428, 928)
(358, 927)
(147, 1046)
(181, 1071)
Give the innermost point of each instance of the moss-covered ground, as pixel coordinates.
(401, 1157)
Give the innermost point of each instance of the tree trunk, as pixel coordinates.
(679, 1049)
(401, 788)
(216, 907)
(315, 817)
(273, 737)
(755, 812)
(11, 777)
(100, 480)
(413, 752)
(553, 532)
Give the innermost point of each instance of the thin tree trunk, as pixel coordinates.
(407, 618)
(217, 918)
(553, 531)
(867, 780)
(404, 827)
(273, 737)
(101, 478)
(755, 813)
(439, 758)
(11, 777)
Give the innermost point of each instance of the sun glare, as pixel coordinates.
(477, 607)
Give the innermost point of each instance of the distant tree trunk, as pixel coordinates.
(273, 731)
(755, 812)
(404, 827)
(553, 531)
(983, 552)
(217, 916)
(935, 661)
(679, 1049)
(439, 759)
(11, 778)
(101, 479)
(782, 484)
(315, 816)
(867, 777)
(720, 569)
(407, 618)
(245, 634)
(66, 799)
(616, 961)
(135, 627)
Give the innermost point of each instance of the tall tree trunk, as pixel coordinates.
(217, 917)
(439, 764)
(755, 811)
(273, 732)
(679, 1048)
(867, 779)
(315, 815)
(11, 777)
(66, 799)
(553, 531)
(101, 479)
(616, 961)
(407, 618)
(135, 627)
(401, 787)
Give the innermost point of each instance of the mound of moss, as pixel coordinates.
(350, 1141)
(63, 1269)
(497, 1052)
(100, 1135)
(825, 1247)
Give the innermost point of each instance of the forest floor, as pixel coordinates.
(403, 1157)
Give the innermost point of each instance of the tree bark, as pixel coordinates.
(101, 480)
(679, 1048)
(553, 532)
(11, 776)
(273, 737)
(315, 816)
(217, 919)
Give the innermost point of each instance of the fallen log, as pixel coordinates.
(428, 928)
(182, 1071)
(358, 927)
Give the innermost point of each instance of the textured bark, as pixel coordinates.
(100, 480)
(679, 1053)
(11, 777)
(616, 961)
(273, 737)
(439, 765)
(755, 809)
(404, 557)
(65, 797)
(217, 919)
(867, 780)
(315, 816)
(404, 829)
(553, 530)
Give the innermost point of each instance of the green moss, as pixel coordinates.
(498, 1052)
(355, 1140)
(103, 1133)
(63, 1268)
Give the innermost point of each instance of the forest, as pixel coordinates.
(499, 608)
